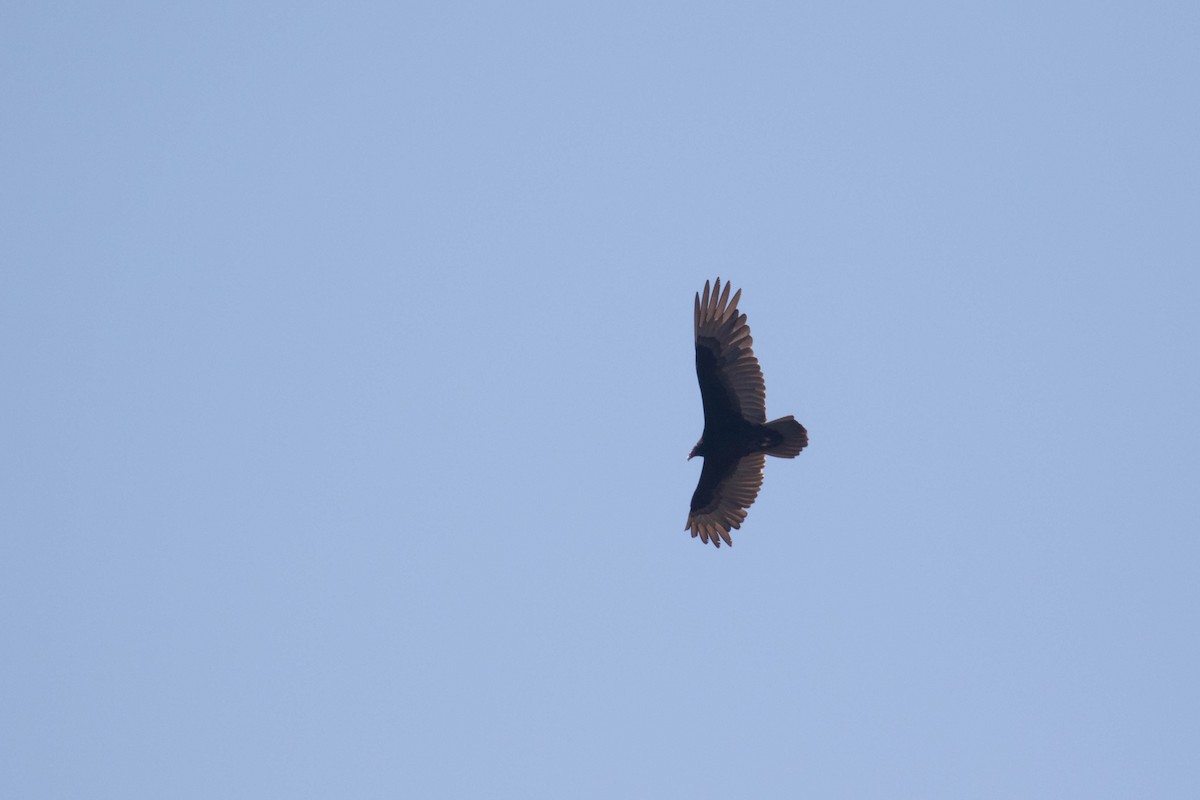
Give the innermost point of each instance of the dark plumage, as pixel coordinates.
(737, 436)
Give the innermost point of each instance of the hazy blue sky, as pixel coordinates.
(348, 385)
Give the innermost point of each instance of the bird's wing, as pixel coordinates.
(731, 381)
(724, 493)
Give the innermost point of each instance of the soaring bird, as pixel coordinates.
(737, 436)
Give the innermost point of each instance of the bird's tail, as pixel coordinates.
(795, 438)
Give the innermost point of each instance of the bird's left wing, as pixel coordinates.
(729, 374)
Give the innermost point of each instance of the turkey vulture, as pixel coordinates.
(737, 437)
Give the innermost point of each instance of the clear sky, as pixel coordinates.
(348, 385)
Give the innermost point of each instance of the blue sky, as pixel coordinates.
(349, 388)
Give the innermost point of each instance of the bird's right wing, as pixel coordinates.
(722, 496)
(731, 381)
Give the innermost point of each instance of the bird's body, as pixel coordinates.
(736, 435)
